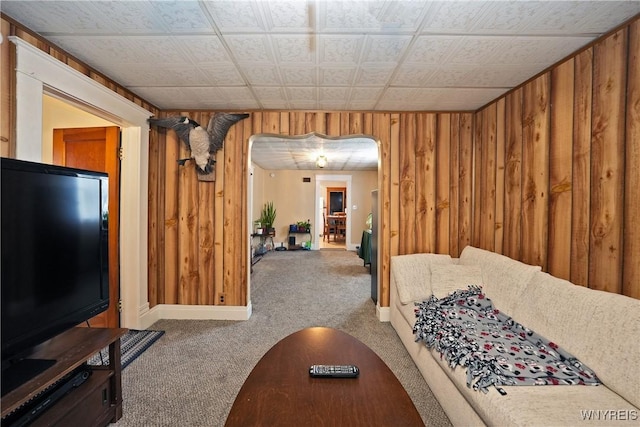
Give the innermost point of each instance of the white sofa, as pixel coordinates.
(601, 329)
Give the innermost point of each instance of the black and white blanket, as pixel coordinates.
(468, 331)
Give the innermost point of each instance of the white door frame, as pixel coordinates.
(37, 73)
(346, 179)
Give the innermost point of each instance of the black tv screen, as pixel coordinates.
(54, 240)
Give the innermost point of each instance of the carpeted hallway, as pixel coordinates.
(191, 375)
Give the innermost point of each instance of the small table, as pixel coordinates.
(279, 390)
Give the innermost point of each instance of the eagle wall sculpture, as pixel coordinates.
(203, 143)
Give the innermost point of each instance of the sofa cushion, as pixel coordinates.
(412, 274)
(447, 278)
(599, 328)
(547, 405)
(504, 278)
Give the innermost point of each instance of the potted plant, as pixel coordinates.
(268, 217)
(304, 226)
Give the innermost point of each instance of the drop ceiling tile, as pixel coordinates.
(605, 16)
(298, 76)
(203, 49)
(384, 49)
(449, 76)
(431, 49)
(303, 105)
(506, 76)
(295, 49)
(458, 98)
(60, 17)
(236, 93)
(354, 17)
(220, 75)
(336, 76)
(167, 75)
(131, 17)
(97, 50)
(508, 17)
(374, 75)
(365, 94)
(234, 16)
(361, 105)
(403, 15)
(339, 49)
(250, 48)
(453, 17)
(155, 50)
(301, 93)
(181, 98)
(519, 50)
(262, 75)
(412, 75)
(338, 94)
(270, 93)
(332, 105)
(179, 16)
(476, 50)
(287, 16)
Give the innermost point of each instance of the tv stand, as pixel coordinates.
(21, 371)
(97, 401)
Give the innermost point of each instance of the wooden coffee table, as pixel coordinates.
(280, 392)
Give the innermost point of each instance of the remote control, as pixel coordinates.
(334, 371)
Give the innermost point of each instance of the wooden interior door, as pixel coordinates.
(336, 199)
(98, 149)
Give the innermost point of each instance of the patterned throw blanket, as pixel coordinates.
(468, 331)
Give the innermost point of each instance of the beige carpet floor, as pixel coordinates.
(191, 375)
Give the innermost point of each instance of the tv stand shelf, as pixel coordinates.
(98, 401)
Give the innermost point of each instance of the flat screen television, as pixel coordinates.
(54, 268)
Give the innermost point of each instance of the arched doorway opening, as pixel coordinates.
(286, 170)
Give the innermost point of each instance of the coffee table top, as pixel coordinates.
(279, 390)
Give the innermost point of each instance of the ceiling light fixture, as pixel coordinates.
(321, 161)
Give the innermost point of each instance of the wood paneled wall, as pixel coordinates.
(557, 168)
(547, 174)
(198, 233)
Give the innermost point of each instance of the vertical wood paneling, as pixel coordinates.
(535, 171)
(442, 166)
(454, 185)
(234, 229)
(581, 168)
(429, 182)
(560, 160)
(391, 178)
(412, 154)
(465, 174)
(487, 179)
(156, 162)
(173, 146)
(297, 123)
(500, 171)
(206, 217)
(271, 122)
(333, 124)
(355, 124)
(388, 130)
(631, 272)
(188, 278)
(513, 176)
(478, 146)
(607, 163)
